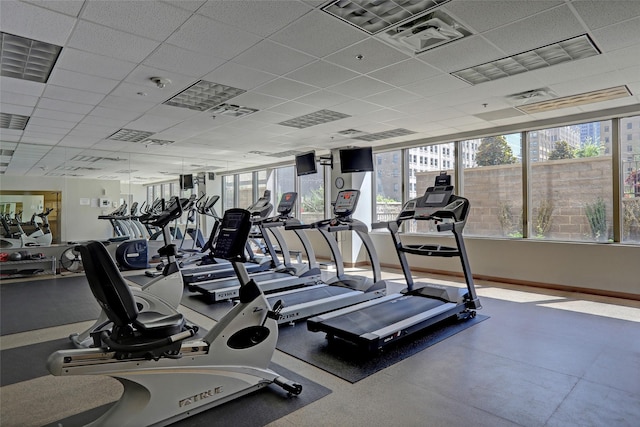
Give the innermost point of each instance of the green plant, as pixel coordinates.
(590, 149)
(508, 221)
(543, 218)
(630, 217)
(384, 199)
(314, 201)
(562, 150)
(596, 213)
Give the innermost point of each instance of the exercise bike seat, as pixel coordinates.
(116, 299)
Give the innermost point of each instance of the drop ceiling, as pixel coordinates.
(284, 60)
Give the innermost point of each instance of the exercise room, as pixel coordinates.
(319, 213)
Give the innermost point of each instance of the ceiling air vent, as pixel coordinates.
(425, 32)
(384, 135)
(576, 100)
(315, 118)
(231, 110)
(13, 121)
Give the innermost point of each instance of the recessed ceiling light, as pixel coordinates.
(13, 121)
(204, 95)
(384, 135)
(565, 51)
(27, 59)
(576, 100)
(231, 110)
(312, 119)
(130, 135)
(373, 16)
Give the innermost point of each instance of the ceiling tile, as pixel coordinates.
(25, 87)
(323, 98)
(375, 55)
(17, 99)
(588, 84)
(138, 104)
(321, 74)
(204, 35)
(487, 14)
(392, 97)
(27, 20)
(111, 113)
(262, 18)
(57, 115)
(152, 20)
(236, 75)
(153, 123)
(618, 36)
(355, 107)
(109, 42)
(74, 80)
(72, 95)
(89, 63)
(68, 7)
(293, 109)
(460, 54)
(270, 117)
(190, 5)
(69, 107)
(16, 109)
(273, 58)
(405, 72)
(360, 87)
(598, 14)
(440, 84)
(178, 60)
(39, 121)
(256, 100)
(539, 30)
(43, 129)
(104, 122)
(285, 88)
(306, 32)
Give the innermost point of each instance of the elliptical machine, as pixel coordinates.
(165, 377)
(163, 294)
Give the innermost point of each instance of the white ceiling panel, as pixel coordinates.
(7, 98)
(205, 35)
(190, 5)
(293, 109)
(152, 123)
(618, 36)
(374, 54)
(256, 100)
(100, 125)
(17, 109)
(152, 20)
(355, 106)
(273, 58)
(539, 30)
(587, 84)
(111, 113)
(27, 20)
(57, 115)
(25, 87)
(74, 80)
(138, 104)
(303, 34)
(270, 117)
(405, 72)
(436, 85)
(44, 129)
(464, 53)
(236, 75)
(68, 7)
(361, 87)
(263, 17)
(109, 42)
(178, 60)
(322, 74)
(72, 95)
(66, 106)
(323, 98)
(89, 63)
(10, 135)
(285, 88)
(392, 97)
(598, 14)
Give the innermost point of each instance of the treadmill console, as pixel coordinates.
(262, 207)
(233, 235)
(286, 203)
(346, 203)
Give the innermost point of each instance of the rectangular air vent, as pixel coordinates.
(384, 135)
(373, 16)
(27, 59)
(13, 121)
(425, 32)
(204, 95)
(312, 119)
(231, 110)
(130, 135)
(156, 142)
(576, 100)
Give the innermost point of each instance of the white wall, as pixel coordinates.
(77, 222)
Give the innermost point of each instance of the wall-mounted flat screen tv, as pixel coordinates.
(306, 163)
(356, 159)
(186, 182)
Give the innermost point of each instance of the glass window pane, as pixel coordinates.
(245, 189)
(262, 182)
(312, 201)
(571, 186)
(493, 185)
(228, 192)
(388, 184)
(631, 182)
(149, 195)
(285, 181)
(422, 173)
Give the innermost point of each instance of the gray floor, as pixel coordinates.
(544, 358)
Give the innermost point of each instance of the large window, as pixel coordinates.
(261, 179)
(570, 184)
(285, 181)
(630, 168)
(228, 192)
(245, 189)
(493, 185)
(312, 197)
(388, 185)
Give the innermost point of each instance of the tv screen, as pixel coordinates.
(306, 163)
(356, 159)
(186, 182)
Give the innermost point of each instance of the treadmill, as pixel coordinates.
(284, 276)
(259, 210)
(342, 290)
(375, 324)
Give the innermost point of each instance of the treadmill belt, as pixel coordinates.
(308, 295)
(378, 316)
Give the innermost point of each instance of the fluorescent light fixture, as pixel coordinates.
(157, 142)
(384, 135)
(312, 119)
(557, 53)
(27, 59)
(5, 152)
(76, 168)
(576, 100)
(13, 121)
(285, 153)
(373, 16)
(204, 95)
(130, 135)
(231, 110)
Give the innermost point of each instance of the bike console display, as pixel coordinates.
(346, 203)
(234, 232)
